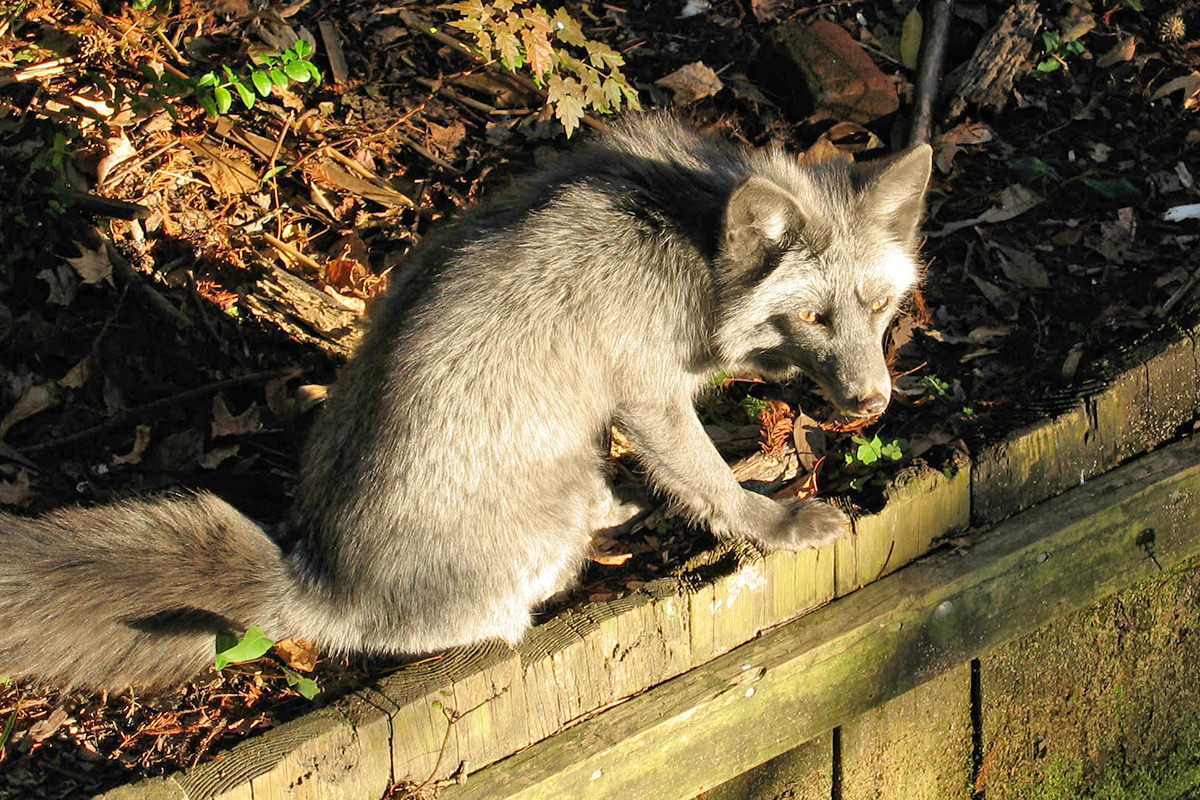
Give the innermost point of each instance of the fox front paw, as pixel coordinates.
(805, 524)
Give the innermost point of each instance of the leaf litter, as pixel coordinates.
(1056, 236)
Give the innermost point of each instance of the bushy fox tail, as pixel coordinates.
(133, 593)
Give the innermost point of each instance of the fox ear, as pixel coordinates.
(895, 189)
(758, 216)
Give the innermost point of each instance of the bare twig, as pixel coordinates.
(933, 55)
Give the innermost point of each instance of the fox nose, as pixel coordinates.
(872, 405)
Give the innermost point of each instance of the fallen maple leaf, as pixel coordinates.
(141, 440)
(92, 266)
(226, 424)
(691, 82)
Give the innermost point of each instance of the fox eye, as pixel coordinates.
(881, 304)
(809, 317)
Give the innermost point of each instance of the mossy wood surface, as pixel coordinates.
(806, 677)
(1103, 703)
(1140, 407)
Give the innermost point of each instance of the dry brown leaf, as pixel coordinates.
(226, 175)
(16, 492)
(213, 458)
(297, 654)
(77, 375)
(141, 440)
(691, 82)
(92, 266)
(1188, 84)
(35, 400)
(62, 284)
(226, 424)
(610, 559)
(810, 441)
(119, 151)
(1123, 50)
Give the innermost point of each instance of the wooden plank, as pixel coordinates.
(318, 755)
(1101, 703)
(914, 747)
(794, 683)
(1140, 408)
(802, 773)
(923, 504)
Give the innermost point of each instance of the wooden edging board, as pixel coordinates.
(478, 705)
(806, 677)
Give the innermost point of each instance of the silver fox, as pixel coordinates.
(454, 482)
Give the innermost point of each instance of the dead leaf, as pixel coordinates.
(446, 138)
(141, 440)
(16, 492)
(92, 266)
(810, 441)
(77, 375)
(691, 82)
(1117, 237)
(952, 142)
(1188, 84)
(226, 424)
(119, 151)
(297, 654)
(226, 175)
(610, 559)
(61, 281)
(1021, 267)
(35, 400)
(45, 728)
(1123, 50)
(1014, 201)
(214, 458)
(765, 10)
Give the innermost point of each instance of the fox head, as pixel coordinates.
(813, 262)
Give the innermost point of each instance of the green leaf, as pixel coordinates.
(1032, 168)
(304, 686)
(910, 38)
(278, 77)
(252, 644)
(206, 102)
(298, 71)
(244, 92)
(1049, 65)
(1051, 40)
(208, 79)
(261, 81)
(223, 98)
(302, 48)
(1119, 189)
(273, 171)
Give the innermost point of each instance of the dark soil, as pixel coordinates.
(1018, 315)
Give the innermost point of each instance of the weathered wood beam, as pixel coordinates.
(810, 675)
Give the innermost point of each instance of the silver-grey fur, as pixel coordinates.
(454, 481)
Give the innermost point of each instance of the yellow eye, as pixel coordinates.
(881, 304)
(811, 317)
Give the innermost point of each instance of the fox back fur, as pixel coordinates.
(456, 477)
